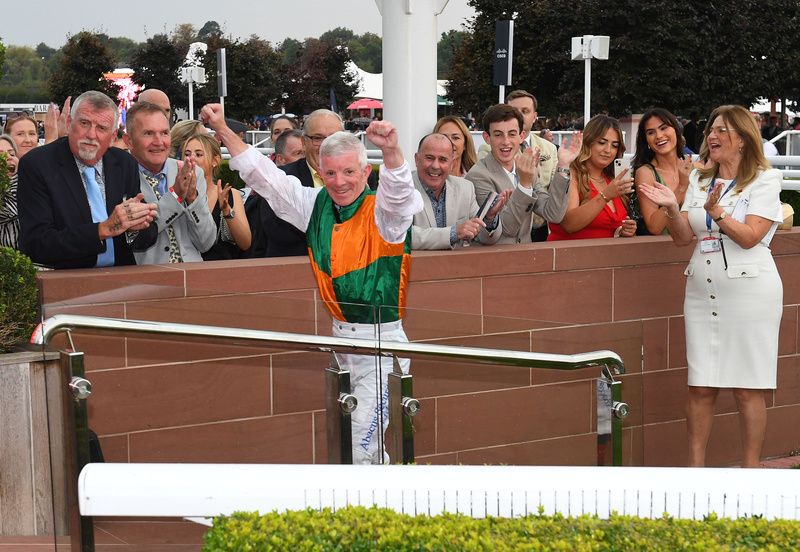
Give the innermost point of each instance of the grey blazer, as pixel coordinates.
(194, 226)
(460, 205)
(517, 216)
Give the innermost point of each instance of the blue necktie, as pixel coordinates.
(99, 214)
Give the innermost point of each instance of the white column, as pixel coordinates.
(409, 67)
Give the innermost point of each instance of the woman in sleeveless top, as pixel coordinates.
(597, 203)
(659, 158)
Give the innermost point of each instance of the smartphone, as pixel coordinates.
(620, 165)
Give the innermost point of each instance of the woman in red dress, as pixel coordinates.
(597, 203)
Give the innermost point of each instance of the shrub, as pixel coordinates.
(19, 298)
(367, 529)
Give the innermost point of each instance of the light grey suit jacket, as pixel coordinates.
(459, 205)
(194, 226)
(549, 202)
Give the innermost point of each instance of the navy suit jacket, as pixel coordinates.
(56, 227)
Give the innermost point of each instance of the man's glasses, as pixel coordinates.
(315, 139)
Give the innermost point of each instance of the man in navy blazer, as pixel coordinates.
(56, 223)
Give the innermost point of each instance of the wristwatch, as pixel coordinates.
(230, 215)
(564, 171)
(722, 216)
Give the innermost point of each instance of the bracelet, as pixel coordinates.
(602, 195)
(666, 212)
(722, 216)
(563, 171)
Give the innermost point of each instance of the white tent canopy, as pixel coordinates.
(763, 106)
(371, 84)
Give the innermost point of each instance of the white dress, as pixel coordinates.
(732, 315)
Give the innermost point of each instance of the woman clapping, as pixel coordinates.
(659, 158)
(597, 203)
(734, 294)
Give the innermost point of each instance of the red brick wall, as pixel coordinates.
(207, 400)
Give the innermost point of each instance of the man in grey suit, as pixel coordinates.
(185, 225)
(503, 170)
(448, 218)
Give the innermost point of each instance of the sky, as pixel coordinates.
(50, 21)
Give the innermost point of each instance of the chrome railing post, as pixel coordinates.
(339, 404)
(619, 410)
(402, 408)
(76, 439)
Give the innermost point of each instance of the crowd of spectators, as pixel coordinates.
(95, 196)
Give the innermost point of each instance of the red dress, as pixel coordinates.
(603, 226)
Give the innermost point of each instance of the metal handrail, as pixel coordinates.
(67, 322)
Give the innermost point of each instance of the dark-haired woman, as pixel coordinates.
(659, 158)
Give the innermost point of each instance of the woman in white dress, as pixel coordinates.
(734, 295)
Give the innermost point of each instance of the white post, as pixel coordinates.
(587, 91)
(409, 67)
(222, 102)
(191, 100)
(587, 47)
(502, 97)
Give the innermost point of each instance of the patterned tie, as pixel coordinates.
(99, 214)
(174, 248)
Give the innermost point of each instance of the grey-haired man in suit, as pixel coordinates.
(503, 170)
(448, 217)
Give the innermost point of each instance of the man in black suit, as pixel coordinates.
(282, 238)
(79, 199)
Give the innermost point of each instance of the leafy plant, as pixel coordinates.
(19, 298)
(370, 529)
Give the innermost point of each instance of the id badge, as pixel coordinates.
(710, 245)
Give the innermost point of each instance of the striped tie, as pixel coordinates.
(174, 248)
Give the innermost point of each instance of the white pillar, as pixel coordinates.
(409, 67)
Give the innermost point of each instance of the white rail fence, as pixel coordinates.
(207, 490)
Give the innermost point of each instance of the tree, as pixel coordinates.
(122, 50)
(157, 64)
(322, 71)
(448, 44)
(682, 63)
(44, 51)
(182, 36)
(25, 76)
(211, 28)
(252, 68)
(339, 34)
(367, 52)
(83, 61)
(2, 58)
(290, 50)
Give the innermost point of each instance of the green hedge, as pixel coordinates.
(19, 298)
(361, 529)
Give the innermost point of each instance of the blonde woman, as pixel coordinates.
(226, 204)
(465, 156)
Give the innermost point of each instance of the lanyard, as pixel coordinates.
(711, 187)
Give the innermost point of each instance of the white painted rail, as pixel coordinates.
(206, 490)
